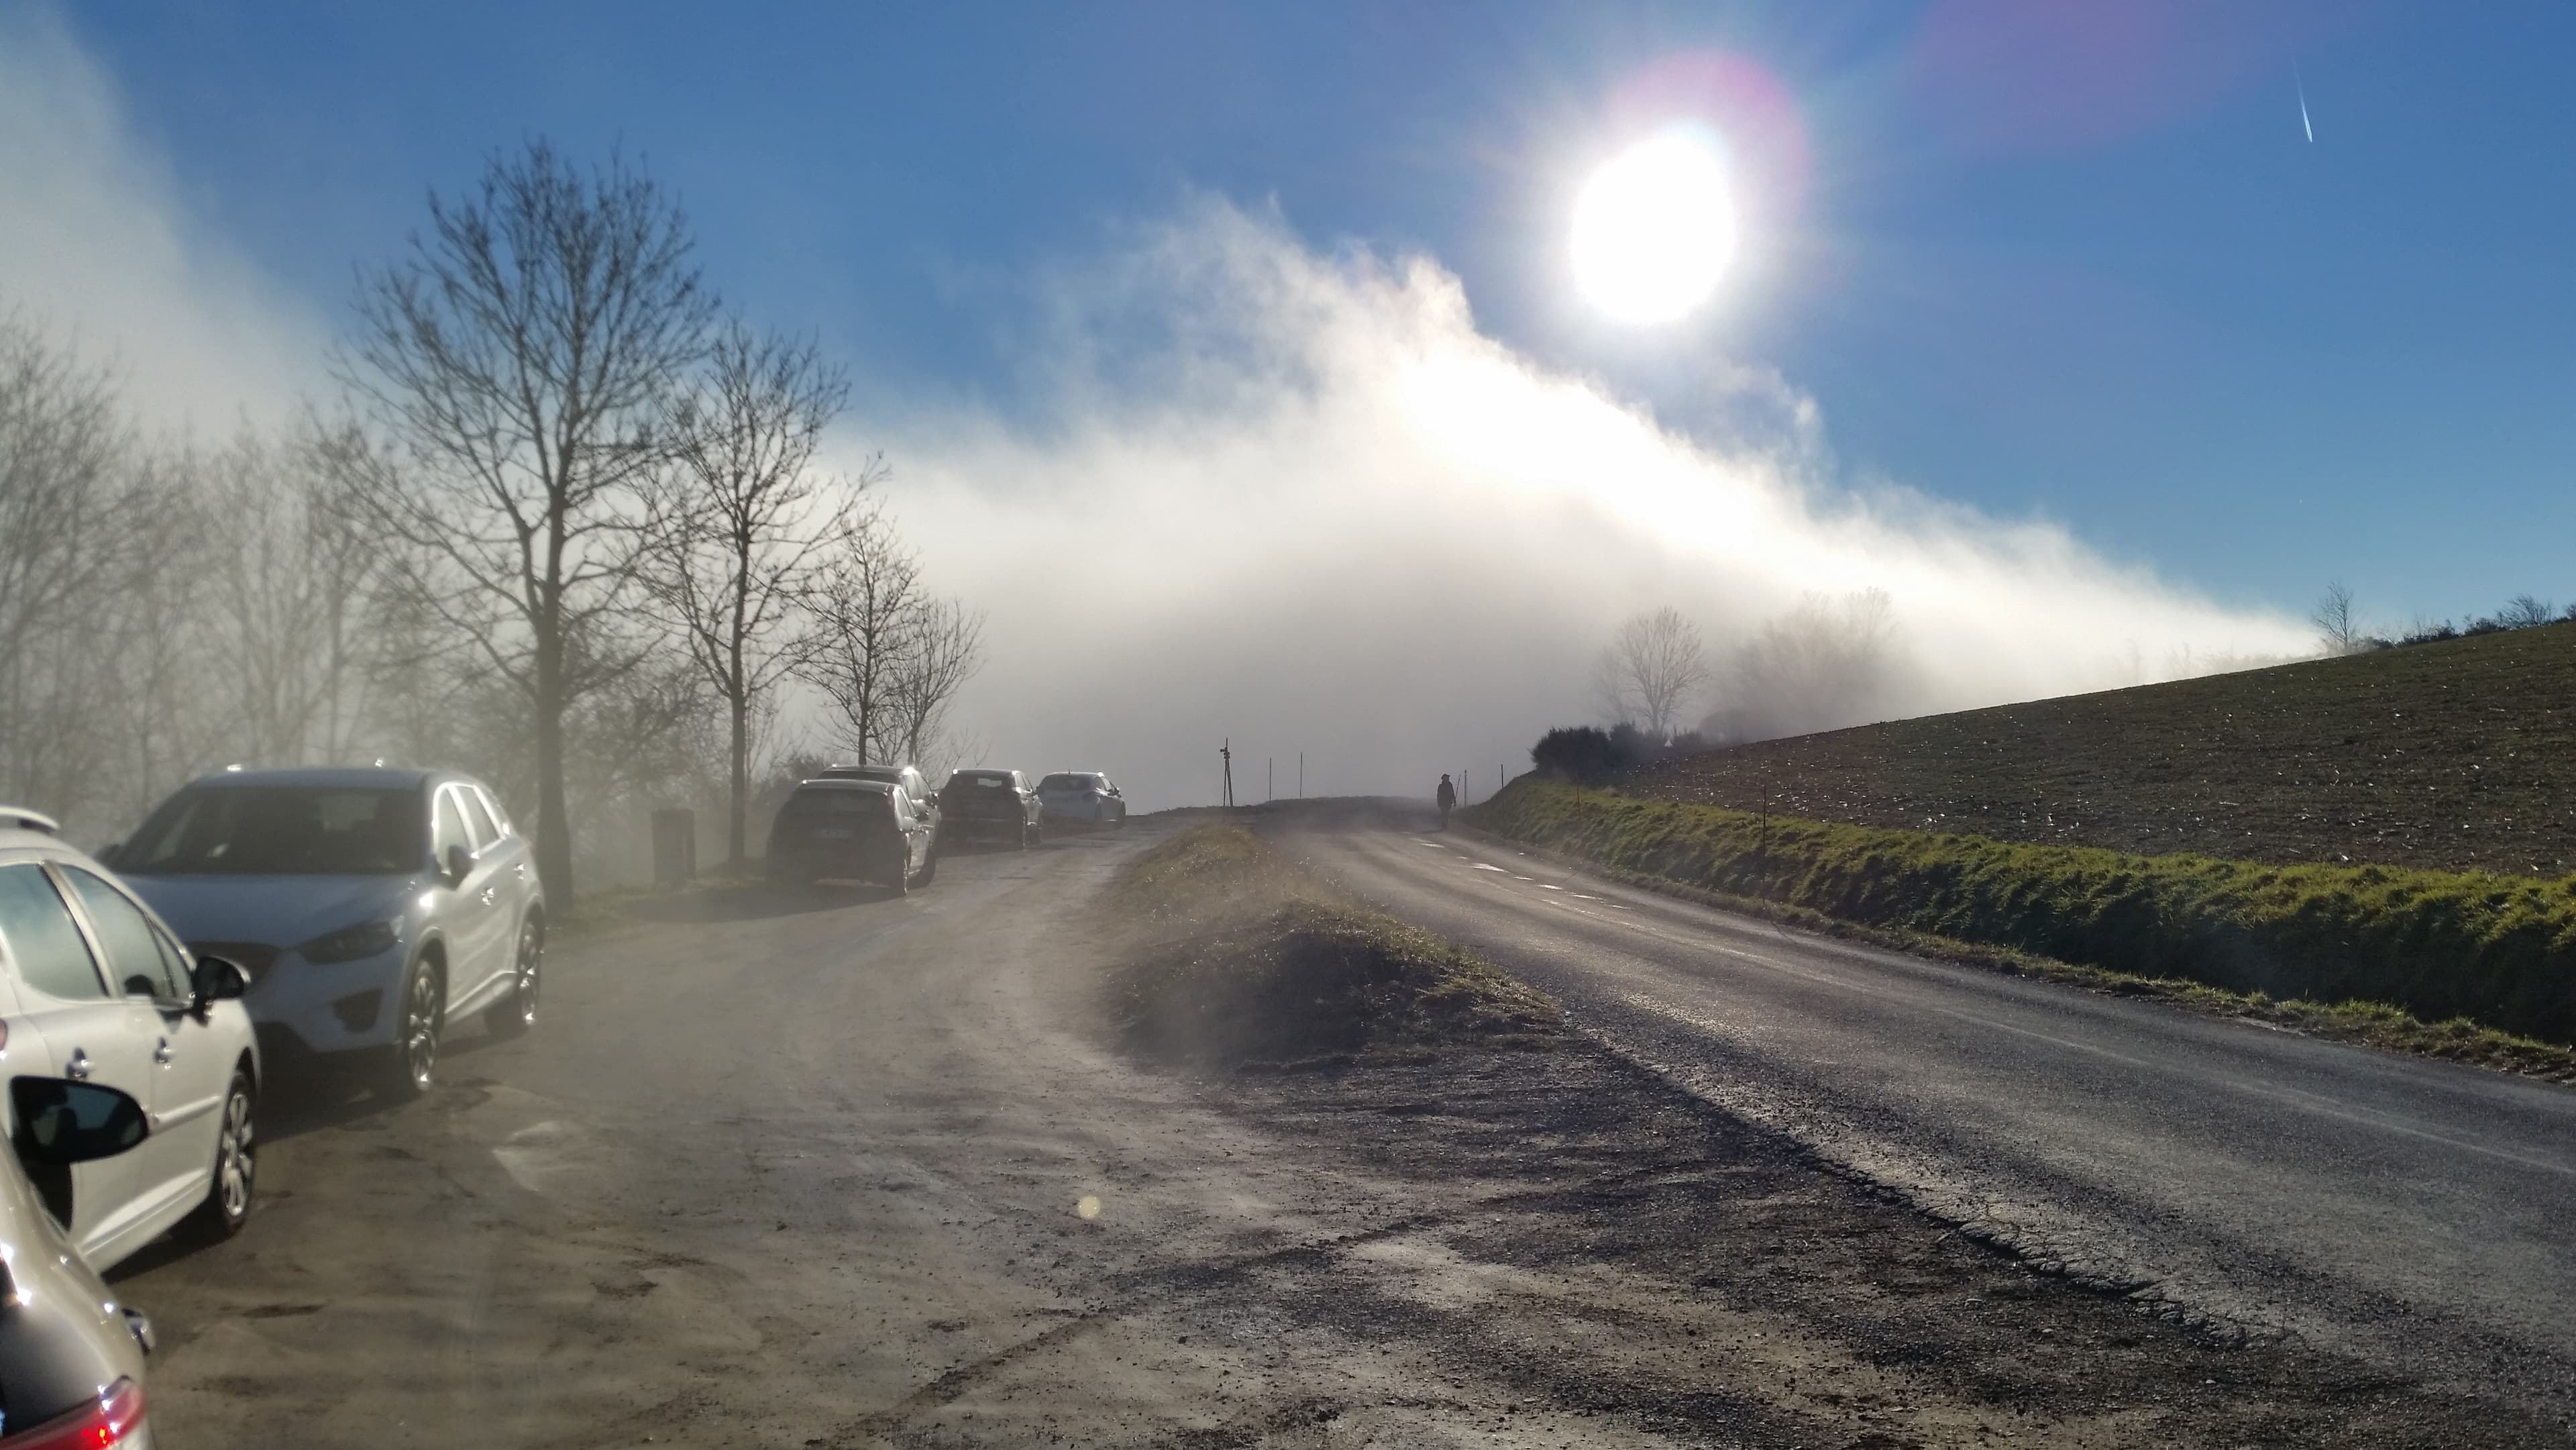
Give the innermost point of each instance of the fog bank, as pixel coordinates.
(1297, 499)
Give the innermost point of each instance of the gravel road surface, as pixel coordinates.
(822, 1168)
(2413, 1214)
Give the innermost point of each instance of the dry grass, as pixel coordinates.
(1235, 957)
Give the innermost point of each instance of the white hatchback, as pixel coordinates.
(95, 988)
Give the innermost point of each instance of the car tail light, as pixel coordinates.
(115, 1419)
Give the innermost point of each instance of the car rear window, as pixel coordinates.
(43, 940)
(1065, 782)
(826, 802)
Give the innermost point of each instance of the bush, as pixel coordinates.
(1578, 752)
(2498, 950)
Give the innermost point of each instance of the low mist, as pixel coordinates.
(1297, 499)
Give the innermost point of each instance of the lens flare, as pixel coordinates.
(1654, 229)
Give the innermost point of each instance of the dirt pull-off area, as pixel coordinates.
(1593, 1256)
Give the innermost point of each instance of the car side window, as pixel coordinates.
(449, 828)
(136, 958)
(477, 819)
(492, 804)
(43, 939)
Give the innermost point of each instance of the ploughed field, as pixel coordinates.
(2458, 756)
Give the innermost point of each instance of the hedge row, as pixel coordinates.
(2497, 950)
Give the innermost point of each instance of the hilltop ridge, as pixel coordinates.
(2456, 755)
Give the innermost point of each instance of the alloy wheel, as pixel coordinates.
(236, 1155)
(420, 1030)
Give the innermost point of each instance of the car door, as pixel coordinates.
(909, 819)
(501, 864)
(192, 1061)
(471, 910)
(83, 1030)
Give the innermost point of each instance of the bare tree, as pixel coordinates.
(733, 556)
(1819, 665)
(2524, 612)
(945, 649)
(522, 355)
(867, 596)
(65, 455)
(2333, 619)
(1654, 664)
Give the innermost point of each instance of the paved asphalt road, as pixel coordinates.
(2419, 1215)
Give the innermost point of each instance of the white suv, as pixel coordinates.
(372, 908)
(94, 987)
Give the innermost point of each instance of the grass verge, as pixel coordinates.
(2440, 964)
(1234, 957)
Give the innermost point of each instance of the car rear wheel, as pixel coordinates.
(411, 1068)
(236, 1169)
(929, 867)
(517, 1012)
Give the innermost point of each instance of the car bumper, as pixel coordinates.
(854, 862)
(317, 1008)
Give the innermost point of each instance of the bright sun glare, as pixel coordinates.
(1654, 230)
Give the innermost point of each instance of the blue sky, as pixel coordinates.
(2094, 275)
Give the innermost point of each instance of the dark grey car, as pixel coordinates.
(71, 1358)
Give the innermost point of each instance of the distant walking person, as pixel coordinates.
(1448, 801)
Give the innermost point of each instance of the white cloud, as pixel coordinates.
(1298, 500)
(96, 246)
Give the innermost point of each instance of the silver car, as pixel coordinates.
(71, 1357)
(372, 908)
(1082, 795)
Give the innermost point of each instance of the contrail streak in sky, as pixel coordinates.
(2304, 123)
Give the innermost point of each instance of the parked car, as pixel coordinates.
(1082, 795)
(71, 1356)
(991, 805)
(915, 789)
(94, 987)
(860, 830)
(372, 908)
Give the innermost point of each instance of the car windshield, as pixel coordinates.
(276, 830)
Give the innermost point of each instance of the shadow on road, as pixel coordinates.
(753, 902)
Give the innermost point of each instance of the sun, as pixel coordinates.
(1654, 230)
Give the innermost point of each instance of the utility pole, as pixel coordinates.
(1301, 775)
(1270, 778)
(1225, 753)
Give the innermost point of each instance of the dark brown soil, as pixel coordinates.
(2452, 756)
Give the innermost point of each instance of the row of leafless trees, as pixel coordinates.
(567, 524)
(2341, 632)
(1826, 662)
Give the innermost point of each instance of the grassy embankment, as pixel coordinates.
(1234, 956)
(2465, 965)
(2457, 756)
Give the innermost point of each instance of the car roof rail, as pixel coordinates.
(26, 819)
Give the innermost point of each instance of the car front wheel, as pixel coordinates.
(517, 1012)
(235, 1173)
(412, 1068)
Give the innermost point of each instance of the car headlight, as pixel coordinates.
(350, 943)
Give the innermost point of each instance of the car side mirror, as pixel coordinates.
(218, 979)
(459, 863)
(62, 1122)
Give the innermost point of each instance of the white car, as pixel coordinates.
(95, 988)
(372, 908)
(1082, 795)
